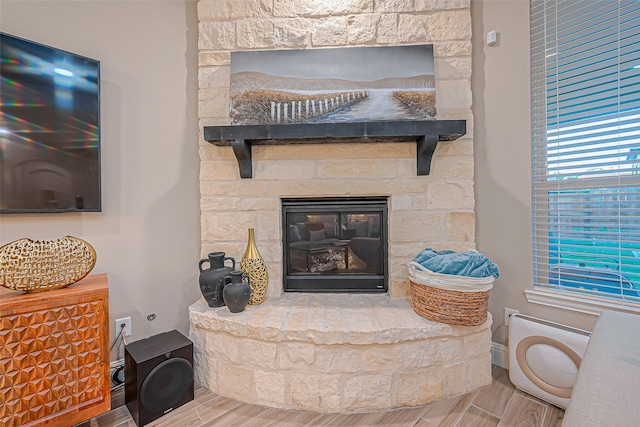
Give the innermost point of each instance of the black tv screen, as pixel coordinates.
(49, 129)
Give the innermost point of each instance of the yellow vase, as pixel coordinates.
(254, 266)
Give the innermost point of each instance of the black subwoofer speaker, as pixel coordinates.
(158, 375)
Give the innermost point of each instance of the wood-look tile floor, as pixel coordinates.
(497, 405)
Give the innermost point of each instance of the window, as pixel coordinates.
(585, 86)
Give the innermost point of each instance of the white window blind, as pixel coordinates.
(585, 87)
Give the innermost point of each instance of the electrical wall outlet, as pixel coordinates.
(126, 321)
(508, 312)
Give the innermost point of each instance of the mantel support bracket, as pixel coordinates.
(242, 150)
(426, 147)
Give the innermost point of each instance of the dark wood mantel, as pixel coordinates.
(426, 133)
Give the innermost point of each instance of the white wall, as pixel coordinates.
(148, 236)
(501, 107)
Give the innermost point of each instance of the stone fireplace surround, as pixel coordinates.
(337, 353)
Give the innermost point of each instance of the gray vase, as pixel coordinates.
(213, 279)
(236, 294)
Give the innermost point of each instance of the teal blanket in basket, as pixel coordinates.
(468, 264)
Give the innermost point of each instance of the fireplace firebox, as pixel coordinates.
(335, 244)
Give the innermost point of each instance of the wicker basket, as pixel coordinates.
(445, 298)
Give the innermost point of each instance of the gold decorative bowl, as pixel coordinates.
(36, 266)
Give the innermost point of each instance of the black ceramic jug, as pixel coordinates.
(237, 293)
(213, 279)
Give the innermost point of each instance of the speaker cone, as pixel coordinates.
(166, 384)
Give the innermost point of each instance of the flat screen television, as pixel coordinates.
(49, 129)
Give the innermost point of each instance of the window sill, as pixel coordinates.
(580, 303)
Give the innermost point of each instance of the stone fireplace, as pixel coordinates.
(336, 352)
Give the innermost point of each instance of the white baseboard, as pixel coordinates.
(500, 355)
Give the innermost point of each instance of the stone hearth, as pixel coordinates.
(334, 353)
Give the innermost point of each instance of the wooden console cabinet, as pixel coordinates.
(54, 354)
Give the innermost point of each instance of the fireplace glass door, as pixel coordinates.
(335, 244)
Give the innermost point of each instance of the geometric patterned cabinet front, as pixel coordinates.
(54, 354)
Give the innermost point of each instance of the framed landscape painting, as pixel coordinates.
(332, 85)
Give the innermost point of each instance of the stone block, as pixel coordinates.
(419, 202)
(254, 353)
(255, 34)
(213, 102)
(410, 226)
(267, 223)
(227, 10)
(270, 388)
(417, 387)
(292, 188)
(362, 29)
(294, 324)
(453, 195)
(453, 166)
(310, 152)
(368, 186)
(366, 168)
(212, 170)
(385, 151)
(462, 226)
(388, 29)
(478, 372)
(380, 358)
(400, 202)
(386, 6)
(214, 77)
(263, 153)
(454, 380)
(330, 31)
(312, 392)
(452, 48)
(441, 350)
(222, 346)
(477, 344)
(211, 152)
(406, 168)
(235, 381)
(292, 8)
(211, 59)
(285, 169)
(411, 29)
(242, 188)
(260, 204)
(459, 147)
(454, 94)
(453, 67)
(295, 356)
(405, 251)
(271, 328)
(293, 32)
(448, 25)
(367, 393)
(206, 370)
(222, 225)
(400, 289)
(435, 5)
(216, 35)
(338, 359)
